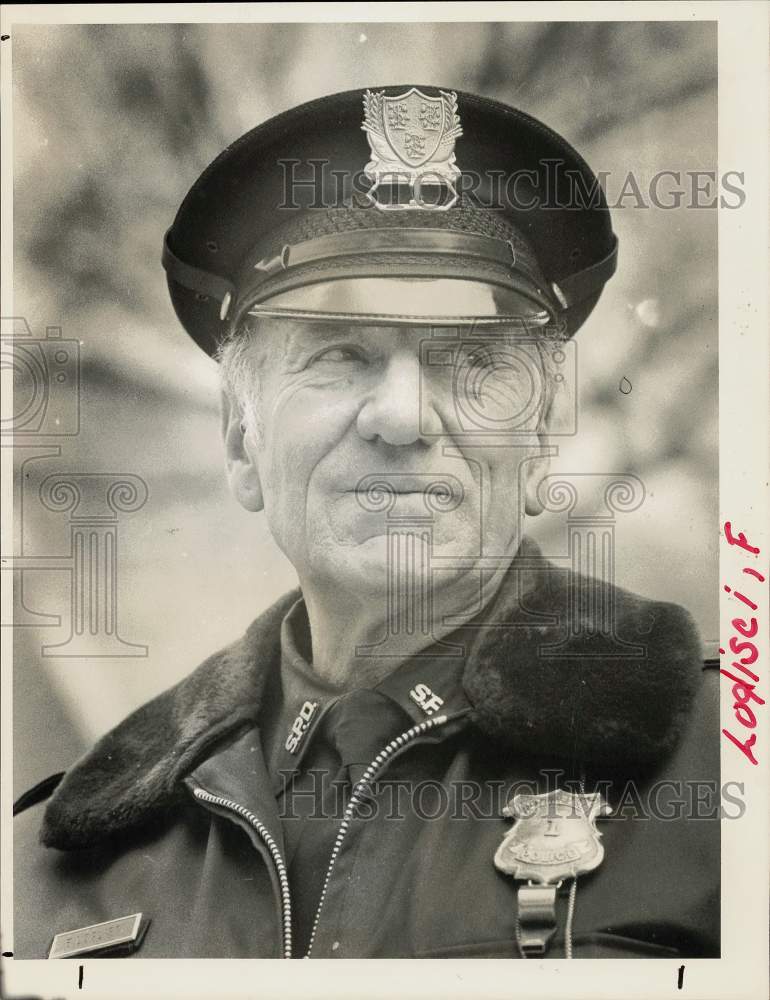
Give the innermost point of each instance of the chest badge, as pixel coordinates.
(554, 836)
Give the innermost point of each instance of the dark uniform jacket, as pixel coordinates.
(173, 814)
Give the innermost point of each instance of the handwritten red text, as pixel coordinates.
(743, 646)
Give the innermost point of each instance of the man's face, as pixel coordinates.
(366, 429)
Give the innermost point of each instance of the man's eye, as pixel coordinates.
(338, 355)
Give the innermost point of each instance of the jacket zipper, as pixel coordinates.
(275, 853)
(355, 799)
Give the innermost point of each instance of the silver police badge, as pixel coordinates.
(554, 836)
(412, 139)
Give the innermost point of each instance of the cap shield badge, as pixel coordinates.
(412, 138)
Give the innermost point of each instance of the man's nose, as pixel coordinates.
(400, 409)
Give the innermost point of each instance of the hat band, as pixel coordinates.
(482, 250)
(394, 253)
(398, 241)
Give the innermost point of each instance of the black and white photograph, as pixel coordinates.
(385, 533)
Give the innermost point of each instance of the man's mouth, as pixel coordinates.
(390, 489)
(405, 482)
(439, 492)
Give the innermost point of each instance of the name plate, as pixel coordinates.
(122, 936)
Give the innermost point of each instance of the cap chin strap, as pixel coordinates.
(526, 324)
(581, 285)
(203, 282)
(568, 290)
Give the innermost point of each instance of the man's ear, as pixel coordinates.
(536, 470)
(241, 464)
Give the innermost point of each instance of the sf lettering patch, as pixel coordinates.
(300, 726)
(429, 702)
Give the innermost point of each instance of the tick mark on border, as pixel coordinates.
(680, 978)
(7, 954)
(80, 977)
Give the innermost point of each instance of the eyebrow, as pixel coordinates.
(310, 334)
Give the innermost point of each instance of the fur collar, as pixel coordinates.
(533, 688)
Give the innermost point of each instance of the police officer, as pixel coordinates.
(430, 748)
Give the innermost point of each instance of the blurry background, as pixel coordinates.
(112, 124)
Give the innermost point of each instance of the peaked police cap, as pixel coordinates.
(445, 191)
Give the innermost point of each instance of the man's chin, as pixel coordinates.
(379, 562)
(360, 565)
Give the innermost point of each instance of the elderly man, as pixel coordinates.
(341, 782)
